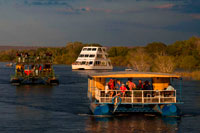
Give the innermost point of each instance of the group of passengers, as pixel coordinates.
(23, 56)
(115, 84)
(35, 70)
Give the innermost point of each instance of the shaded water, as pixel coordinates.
(64, 108)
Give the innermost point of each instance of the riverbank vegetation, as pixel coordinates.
(181, 56)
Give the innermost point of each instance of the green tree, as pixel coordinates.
(164, 64)
(156, 48)
(140, 60)
(118, 51)
(188, 63)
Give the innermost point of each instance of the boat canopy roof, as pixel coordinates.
(132, 74)
(93, 47)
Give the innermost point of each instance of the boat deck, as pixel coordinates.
(136, 96)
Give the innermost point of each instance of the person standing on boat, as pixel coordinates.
(106, 88)
(140, 85)
(118, 85)
(111, 86)
(130, 84)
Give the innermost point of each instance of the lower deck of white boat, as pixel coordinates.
(87, 67)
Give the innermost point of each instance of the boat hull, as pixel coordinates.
(104, 109)
(86, 67)
(169, 110)
(23, 81)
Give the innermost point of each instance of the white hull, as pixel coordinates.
(86, 67)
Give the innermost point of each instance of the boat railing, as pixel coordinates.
(39, 60)
(35, 73)
(136, 96)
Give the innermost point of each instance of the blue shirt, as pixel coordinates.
(117, 86)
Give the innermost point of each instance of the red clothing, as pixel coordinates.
(40, 68)
(123, 88)
(131, 85)
(27, 72)
(140, 86)
(111, 85)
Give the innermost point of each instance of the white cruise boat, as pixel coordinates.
(92, 58)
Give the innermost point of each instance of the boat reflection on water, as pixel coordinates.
(45, 90)
(88, 72)
(132, 123)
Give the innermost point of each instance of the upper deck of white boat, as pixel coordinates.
(91, 53)
(93, 50)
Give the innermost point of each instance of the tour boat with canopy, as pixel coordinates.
(34, 69)
(92, 58)
(158, 99)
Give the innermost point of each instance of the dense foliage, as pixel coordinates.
(156, 56)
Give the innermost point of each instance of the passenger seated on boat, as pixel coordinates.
(111, 86)
(40, 68)
(18, 69)
(22, 69)
(36, 70)
(130, 85)
(169, 91)
(170, 88)
(140, 85)
(147, 85)
(123, 89)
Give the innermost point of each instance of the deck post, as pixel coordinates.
(99, 95)
(142, 96)
(132, 96)
(175, 96)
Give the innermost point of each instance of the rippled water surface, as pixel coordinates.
(64, 108)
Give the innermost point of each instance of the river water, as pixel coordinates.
(64, 108)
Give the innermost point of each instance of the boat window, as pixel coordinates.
(99, 55)
(103, 63)
(109, 63)
(81, 55)
(83, 62)
(86, 55)
(91, 62)
(85, 49)
(94, 49)
(99, 49)
(97, 62)
(92, 55)
(89, 49)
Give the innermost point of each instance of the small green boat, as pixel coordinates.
(34, 69)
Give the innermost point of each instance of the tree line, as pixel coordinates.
(155, 56)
